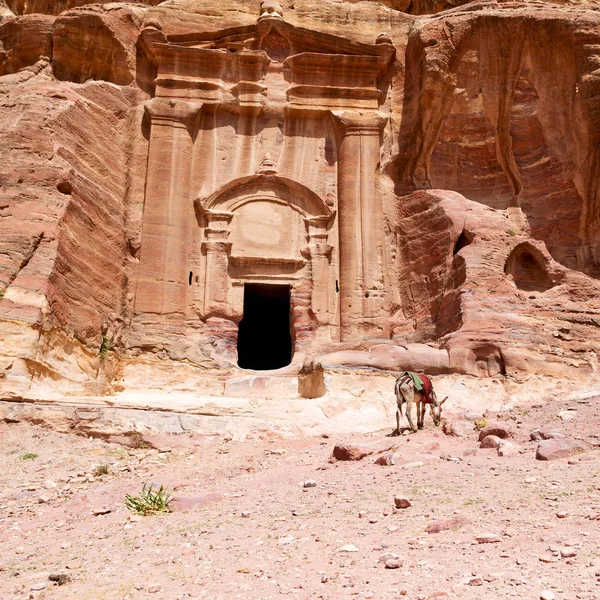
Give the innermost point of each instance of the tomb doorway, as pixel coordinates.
(264, 335)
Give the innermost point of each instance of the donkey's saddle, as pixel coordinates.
(422, 383)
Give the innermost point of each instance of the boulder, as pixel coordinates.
(500, 431)
(506, 448)
(490, 441)
(560, 448)
(94, 43)
(546, 433)
(459, 428)
(447, 524)
(387, 459)
(349, 451)
(23, 41)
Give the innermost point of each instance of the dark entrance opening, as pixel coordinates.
(264, 339)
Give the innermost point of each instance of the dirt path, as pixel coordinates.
(265, 535)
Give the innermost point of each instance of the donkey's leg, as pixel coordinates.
(397, 430)
(399, 400)
(409, 394)
(421, 408)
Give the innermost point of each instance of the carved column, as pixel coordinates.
(360, 225)
(320, 255)
(168, 209)
(217, 248)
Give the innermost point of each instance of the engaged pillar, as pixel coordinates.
(361, 225)
(320, 255)
(217, 249)
(168, 209)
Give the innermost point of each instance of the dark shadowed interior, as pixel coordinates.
(264, 339)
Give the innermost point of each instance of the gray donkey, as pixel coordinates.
(407, 390)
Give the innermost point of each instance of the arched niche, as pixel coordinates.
(240, 191)
(529, 268)
(264, 228)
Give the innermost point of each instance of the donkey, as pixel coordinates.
(406, 393)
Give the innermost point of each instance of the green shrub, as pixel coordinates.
(136, 440)
(150, 502)
(480, 423)
(104, 346)
(29, 456)
(103, 469)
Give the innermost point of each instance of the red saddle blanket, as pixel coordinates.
(422, 383)
(427, 388)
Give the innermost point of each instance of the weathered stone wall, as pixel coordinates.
(487, 171)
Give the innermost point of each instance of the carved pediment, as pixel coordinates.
(273, 188)
(229, 67)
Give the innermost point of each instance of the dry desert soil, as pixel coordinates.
(266, 518)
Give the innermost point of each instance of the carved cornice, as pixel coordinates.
(161, 109)
(227, 69)
(257, 261)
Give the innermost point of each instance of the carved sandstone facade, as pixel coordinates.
(194, 190)
(263, 163)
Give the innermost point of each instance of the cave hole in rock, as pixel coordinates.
(464, 239)
(527, 270)
(264, 337)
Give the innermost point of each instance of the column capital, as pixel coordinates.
(322, 249)
(359, 122)
(163, 109)
(216, 246)
(317, 225)
(216, 218)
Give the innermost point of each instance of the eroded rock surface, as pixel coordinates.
(419, 178)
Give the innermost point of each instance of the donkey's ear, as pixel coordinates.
(444, 400)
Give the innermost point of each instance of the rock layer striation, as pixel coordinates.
(419, 181)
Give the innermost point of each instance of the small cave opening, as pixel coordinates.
(264, 335)
(464, 239)
(527, 270)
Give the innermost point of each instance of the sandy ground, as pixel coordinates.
(253, 530)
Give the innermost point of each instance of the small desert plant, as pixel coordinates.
(149, 501)
(136, 440)
(29, 456)
(480, 423)
(102, 469)
(104, 346)
(511, 233)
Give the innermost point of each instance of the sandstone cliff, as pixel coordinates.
(487, 172)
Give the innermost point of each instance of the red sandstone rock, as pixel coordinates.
(547, 433)
(560, 448)
(459, 428)
(349, 451)
(490, 441)
(136, 207)
(447, 524)
(498, 430)
(507, 448)
(55, 7)
(93, 43)
(23, 41)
